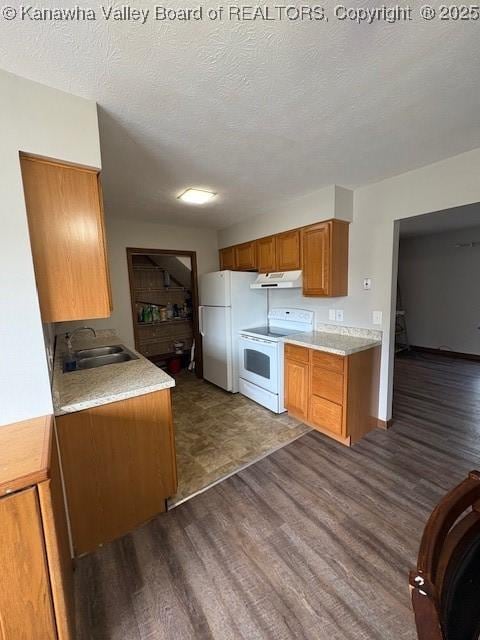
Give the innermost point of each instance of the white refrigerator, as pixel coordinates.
(227, 305)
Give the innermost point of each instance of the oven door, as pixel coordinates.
(258, 362)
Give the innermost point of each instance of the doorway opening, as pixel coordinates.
(164, 299)
(437, 318)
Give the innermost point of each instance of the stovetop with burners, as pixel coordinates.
(282, 323)
(270, 332)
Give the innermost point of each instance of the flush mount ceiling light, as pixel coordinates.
(196, 196)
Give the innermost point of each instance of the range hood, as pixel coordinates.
(278, 280)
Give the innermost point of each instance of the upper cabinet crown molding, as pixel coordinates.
(320, 250)
(65, 219)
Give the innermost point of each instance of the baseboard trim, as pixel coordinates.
(384, 424)
(447, 353)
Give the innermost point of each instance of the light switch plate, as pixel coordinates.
(339, 315)
(331, 314)
(377, 317)
(367, 284)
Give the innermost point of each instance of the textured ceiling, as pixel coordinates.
(259, 112)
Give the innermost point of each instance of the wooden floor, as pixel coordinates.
(314, 541)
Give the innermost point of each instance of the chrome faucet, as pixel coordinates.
(69, 335)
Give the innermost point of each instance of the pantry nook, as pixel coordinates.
(164, 299)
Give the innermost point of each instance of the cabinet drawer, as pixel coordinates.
(328, 360)
(301, 354)
(327, 384)
(326, 414)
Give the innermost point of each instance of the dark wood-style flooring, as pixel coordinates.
(315, 541)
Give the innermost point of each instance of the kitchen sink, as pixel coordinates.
(97, 351)
(101, 361)
(98, 357)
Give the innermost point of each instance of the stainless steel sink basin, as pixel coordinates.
(97, 351)
(102, 360)
(98, 357)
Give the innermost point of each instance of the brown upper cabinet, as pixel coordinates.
(280, 252)
(227, 258)
(246, 256)
(320, 250)
(325, 259)
(266, 254)
(67, 235)
(287, 251)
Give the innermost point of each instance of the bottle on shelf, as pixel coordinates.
(147, 313)
(155, 313)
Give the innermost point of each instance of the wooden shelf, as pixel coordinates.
(147, 268)
(161, 322)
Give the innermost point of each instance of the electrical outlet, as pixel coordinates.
(377, 317)
(367, 284)
(331, 314)
(339, 315)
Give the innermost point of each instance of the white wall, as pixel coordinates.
(39, 120)
(330, 202)
(145, 235)
(450, 183)
(373, 237)
(438, 282)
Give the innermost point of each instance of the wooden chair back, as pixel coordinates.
(445, 586)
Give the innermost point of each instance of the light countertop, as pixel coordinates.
(77, 390)
(340, 344)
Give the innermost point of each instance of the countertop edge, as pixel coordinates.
(338, 352)
(40, 431)
(98, 402)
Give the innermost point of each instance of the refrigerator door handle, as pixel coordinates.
(200, 320)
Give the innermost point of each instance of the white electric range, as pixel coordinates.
(261, 356)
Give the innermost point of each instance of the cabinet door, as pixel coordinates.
(227, 258)
(245, 256)
(325, 259)
(287, 250)
(25, 599)
(296, 388)
(266, 254)
(119, 466)
(65, 220)
(316, 259)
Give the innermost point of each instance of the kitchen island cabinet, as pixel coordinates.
(119, 466)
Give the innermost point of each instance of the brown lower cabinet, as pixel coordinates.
(119, 466)
(36, 579)
(337, 395)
